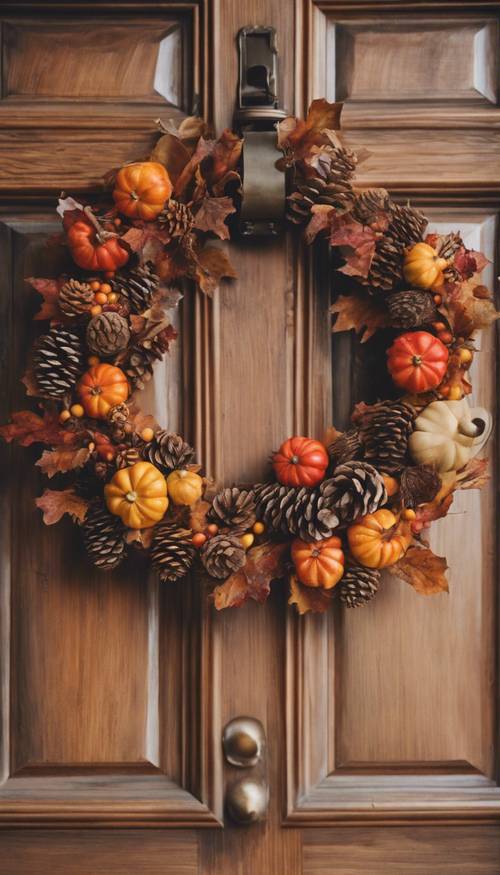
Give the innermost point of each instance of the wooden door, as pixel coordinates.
(381, 726)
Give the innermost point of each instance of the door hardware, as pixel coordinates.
(243, 742)
(247, 801)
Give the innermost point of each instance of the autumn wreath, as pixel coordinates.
(337, 511)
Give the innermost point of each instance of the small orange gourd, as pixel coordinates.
(184, 487)
(319, 564)
(378, 539)
(300, 461)
(141, 190)
(138, 495)
(423, 267)
(93, 248)
(417, 361)
(101, 388)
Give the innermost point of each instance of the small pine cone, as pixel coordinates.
(58, 362)
(346, 447)
(233, 508)
(141, 358)
(419, 484)
(355, 489)
(274, 504)
(385, 429)
(172, 551)
(75, 298)
(331, 186)
(176, 219)
(222, 555)
(386, 269)
(104, 537)
(449, 245)
(370, 203)
(107, 334)
(411, 309)
(313, 517)
(167, 451)
(358, 585)
(126, 457)
(119, 414)
(137, 286)
(407, 225)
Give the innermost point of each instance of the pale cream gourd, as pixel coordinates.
(449, 433)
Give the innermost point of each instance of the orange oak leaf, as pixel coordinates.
(212, 216)
(308, 598)
(49, 290)
(29, 428)
(299, 136)
(264, 564)
(212, 266)
(62, 459)
(423, 570)
(361, 313)
(55, 504)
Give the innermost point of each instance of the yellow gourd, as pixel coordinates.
(378, 540)
(423, 267)
(184, 487)
(138, 495)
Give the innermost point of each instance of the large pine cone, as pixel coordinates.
(140, 359)
(407, 225)
(385, 429)
(222, 555)
(172, 551)
(355, 489)
(331, 185)
(58, 362)
(176, 219)
(107, 334)
(411, 309)
(75, 298)
(168, 451)
(386, 269)
(137, 286)
(346, 447)
(233, 508)
(104, 537)
(274, 506)
(370, 203)
(296, 511)
(358, 585)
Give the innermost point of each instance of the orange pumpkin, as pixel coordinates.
(300, 461)
(378, 539)
(95, 249)
(141, 190)
(138, 495)
(417, 361)
(101, 388)
(320, 563)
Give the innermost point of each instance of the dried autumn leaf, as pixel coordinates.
(172, 153)
(423, 570)
(203, 149)
(29, 428)
(360, 313)
(62, 459)
(55, 504)
(264, 564)
(319, 221)
(356, 243)
(299, 136)
(468, 262)
(212, 266)
(440, 505)
(49, 290)
(465, 312)
(198, 516)
(474, 475)
(223, 158)
(212, 214)
(140, 537)
(308, 598)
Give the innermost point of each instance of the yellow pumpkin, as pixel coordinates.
(138, 495)
(423, 267)
(378, 539)
(184, 487)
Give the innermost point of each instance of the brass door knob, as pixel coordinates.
(243, 742)
(247, 801)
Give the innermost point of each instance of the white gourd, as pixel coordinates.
(449, 433)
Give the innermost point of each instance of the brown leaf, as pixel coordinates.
(423, 570)
(139, 420)
(140, 236)
(298, 136)
(28, 428)
(465, 312)
(203, 148)
(319, 222)
(360, 313)
(212, 266)
(356, 243)
(140, 537)
(440, 505)
(308, 598)
(223, 158)
(198, 516)
(49, 290)
(212, 214)
(62, 459)
(55, 504)
(264, 564)
(172, 153)
(474, 475)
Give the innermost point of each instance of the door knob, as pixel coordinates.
(243, 742)
(247, 801)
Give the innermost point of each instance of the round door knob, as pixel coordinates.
(243, 742)
(247, 800)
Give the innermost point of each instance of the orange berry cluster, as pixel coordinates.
(200, 538)
(103, 294)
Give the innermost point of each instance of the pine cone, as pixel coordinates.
(346, 447)
(104, 537)
(118, 418)
(127, 457)
(370, 203)
(176, 219)
(407, 225)
(222, 555)
(58, 362)
(274, 505)
(140, 360)
(385, 429)
(449, 245)
(137, 286)
(386, 269)
(411, 309)
(233, 508)
(75, 298)
(107, 334)
(296, 511)
(172, 551)
(331, 186)
(358, 585)
(419, 484)
(167, 451)
(355, 489)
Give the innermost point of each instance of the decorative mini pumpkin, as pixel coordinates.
(138, 495)
(101, 388)
(184, 487)
(417, 361)
(378, 539)
(141, 190)
(449, 433)
(423, 267)
(300, 461)
(93, 248)
(320, 563)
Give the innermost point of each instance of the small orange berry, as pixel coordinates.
(95, 285)
(109, 274)
(101, 298)
(147, 434)
(95, 310)
(438, 300)
(212, 529)
(409, 514)
(108, 457)
(199, 539)
(439, 326)
(465, 356)
(117, 221)
(445, 336)
(106, 288)
(93, 360)
(445, 390)
(64, 415)
(77, 410)
(112, 298)
(391, 485)
(258, 528)
(247, 540)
